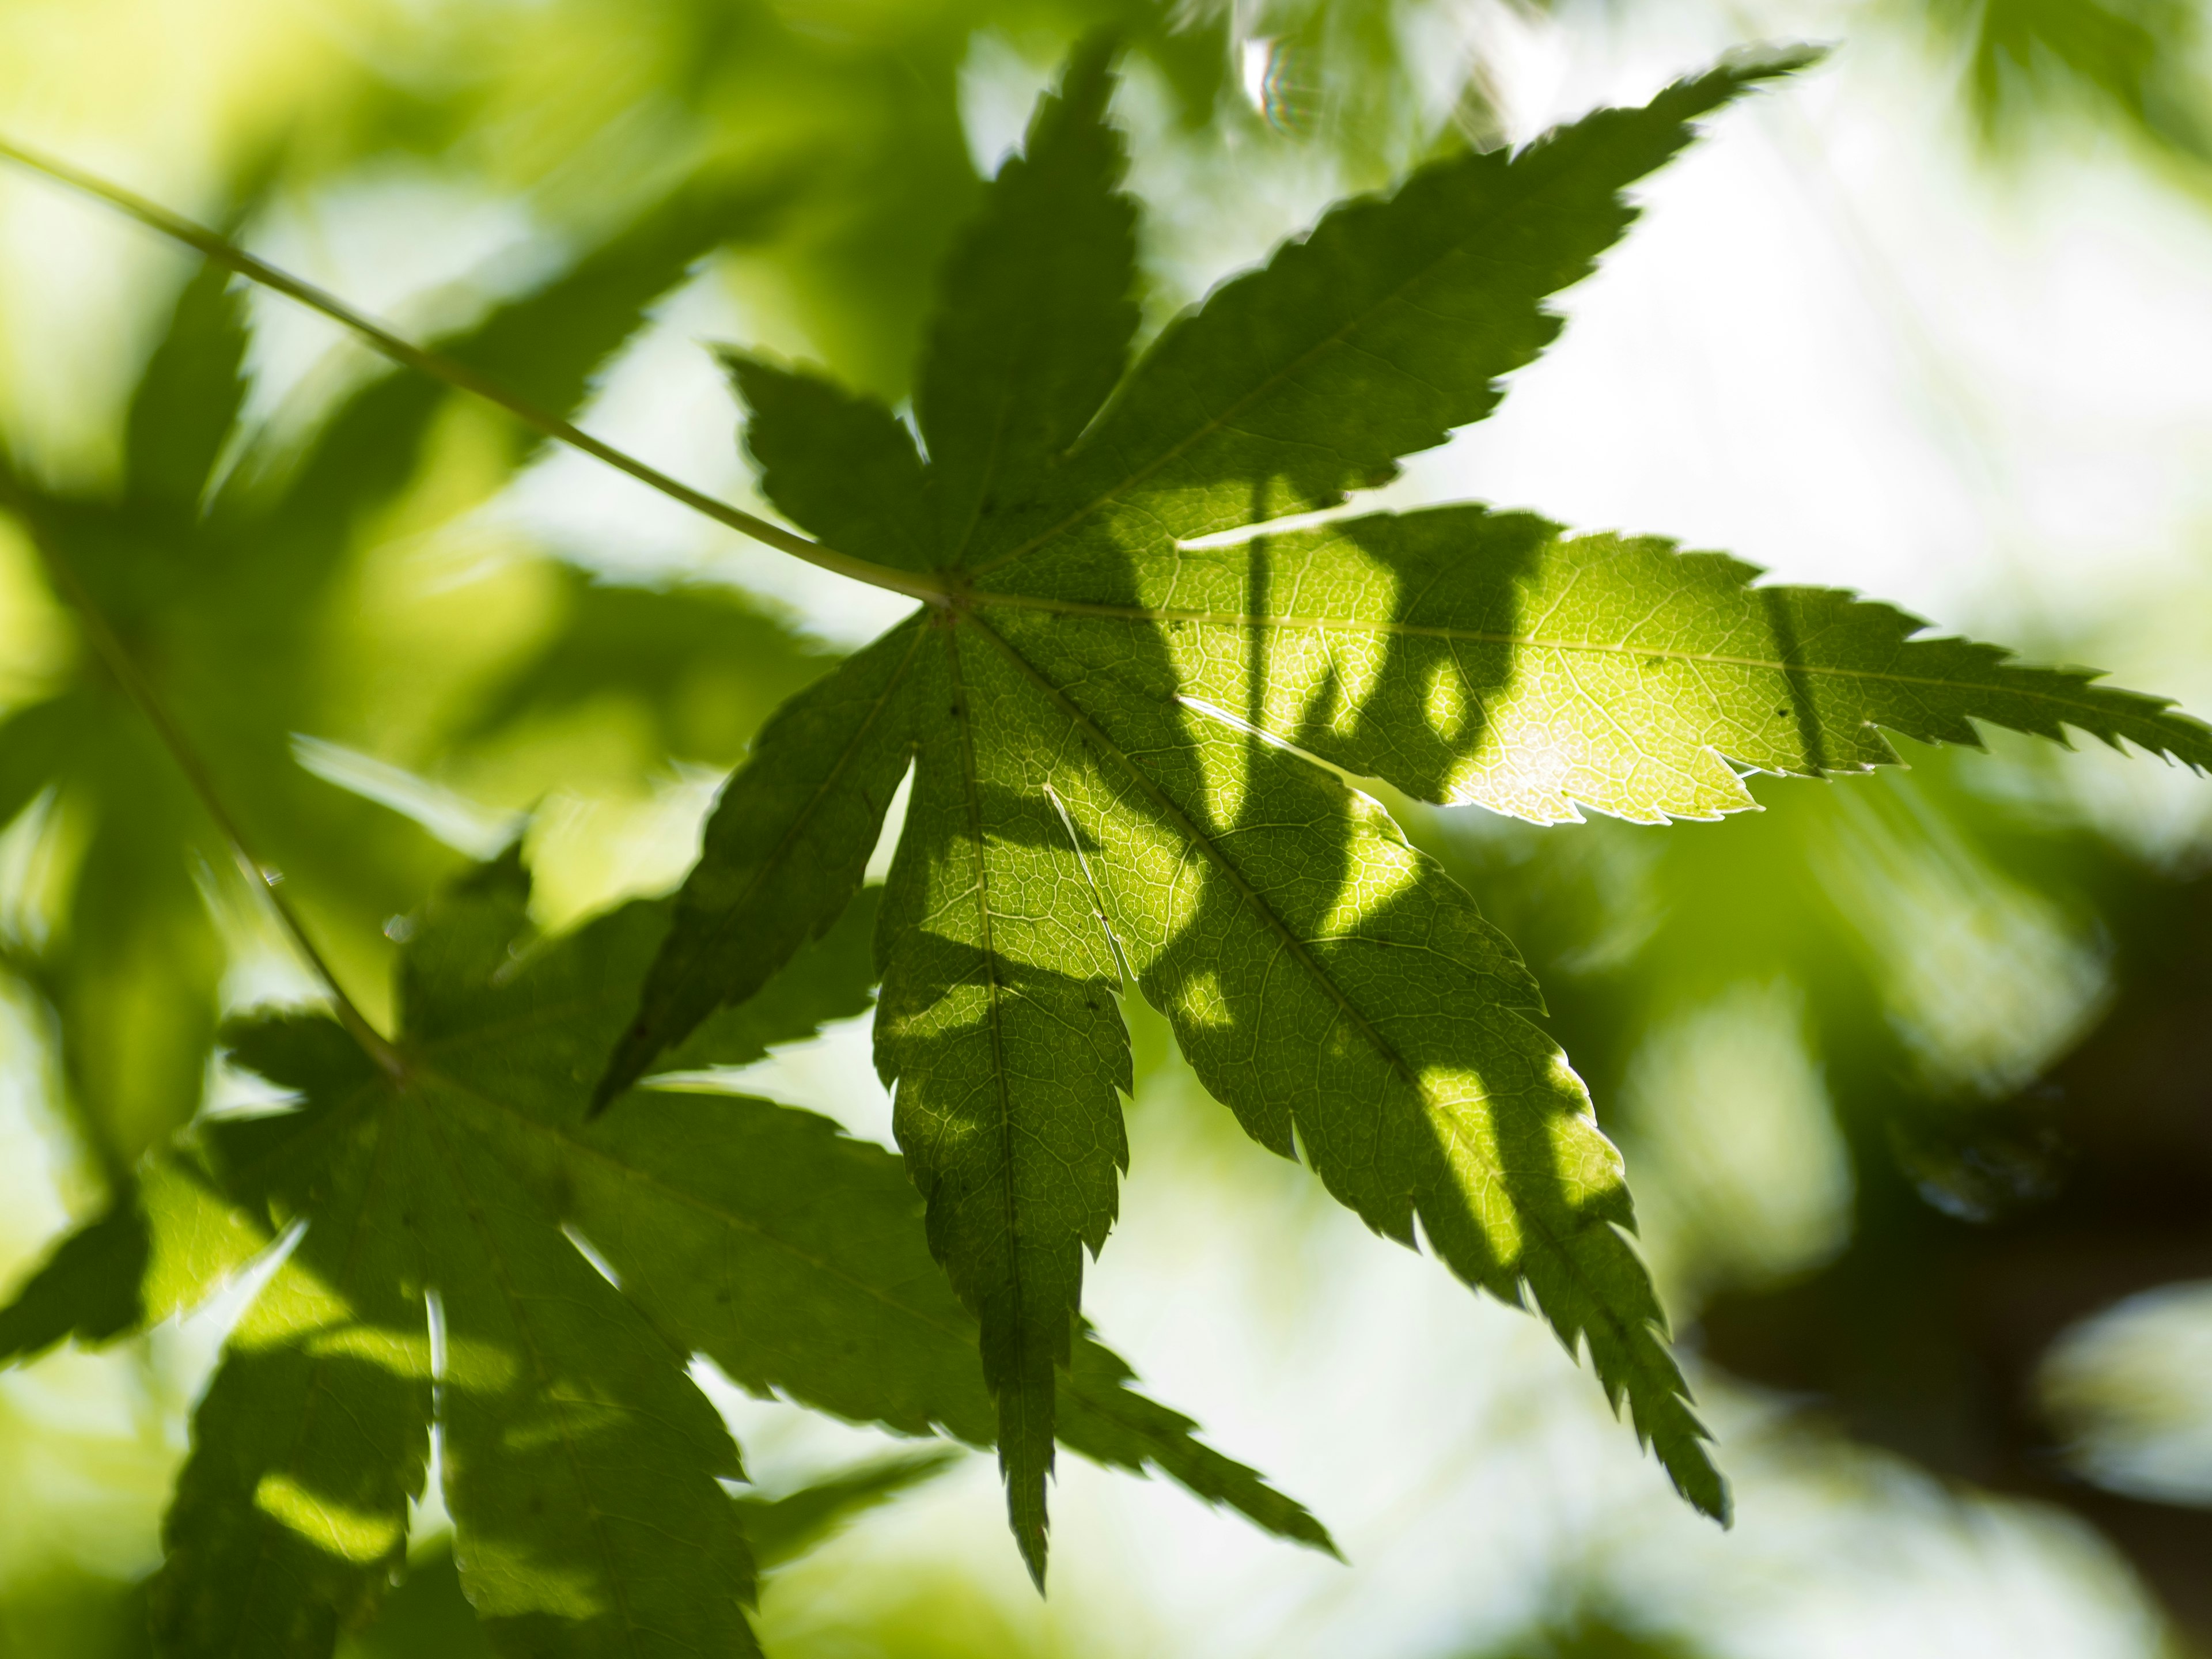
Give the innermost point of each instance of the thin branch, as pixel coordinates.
(110, 649)
(914, 583)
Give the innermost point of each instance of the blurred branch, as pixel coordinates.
(431, 363)
(109, 648)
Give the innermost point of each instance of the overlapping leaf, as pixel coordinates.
(581, 1463)
(1114, 735)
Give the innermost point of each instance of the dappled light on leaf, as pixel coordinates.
(502, 1224)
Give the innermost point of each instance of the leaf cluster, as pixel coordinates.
(470, 1251)
(1128, 714)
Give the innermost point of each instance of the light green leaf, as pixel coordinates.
(2027, 63)
(1467, 656)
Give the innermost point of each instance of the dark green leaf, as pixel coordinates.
(563, 1271)
(785, 848)
(580, 1461)
(161, 1247)
(87, 1288)
(834, 462)
(181, 412)
(1034, 324)
(782, 1528)
(1085, 797)
(291, 1513)
(1372, 336)
(1000, 1025)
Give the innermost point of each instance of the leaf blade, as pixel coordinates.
(291, 1512)
(580, 1461)
(793, 1256)
(835, 463)
(183, 406)
(784, 852)
(1340, 993)
(1296, 383)
(1471, 656)
(88, 1288)
(1035, 317)
(998, 1022)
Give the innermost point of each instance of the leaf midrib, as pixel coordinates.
(1540, 642)
(1013, 1400)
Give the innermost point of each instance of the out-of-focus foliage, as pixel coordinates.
(1968, 1174)
(1590, 1636)
(575, 1453)
(2140, 61)
(227, 575)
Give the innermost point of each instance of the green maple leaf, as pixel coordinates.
(581, 1464)
(1125, 746)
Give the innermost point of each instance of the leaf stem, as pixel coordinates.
(109, 648)
(916, 585)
